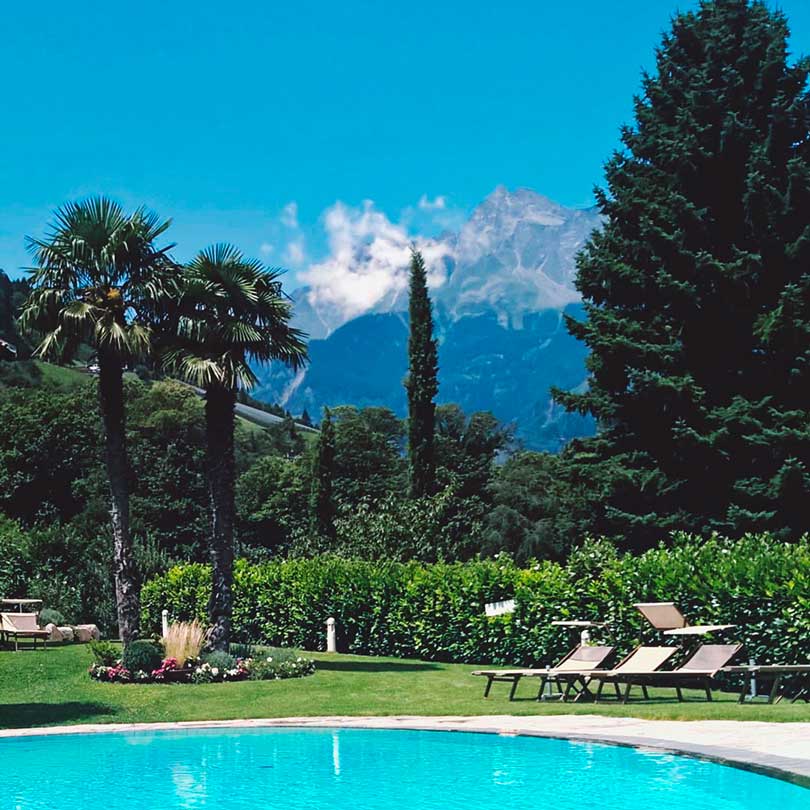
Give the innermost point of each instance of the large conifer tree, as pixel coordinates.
(421, 383)
(322, 503)
(694, 285)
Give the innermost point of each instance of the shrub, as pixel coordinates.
(219, 659)
(277, 664)
(105, 653)
(184, 641)
(50, 616)
(141, 656)
(241, 650)
(437, 611)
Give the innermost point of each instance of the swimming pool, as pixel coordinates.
(305, 769)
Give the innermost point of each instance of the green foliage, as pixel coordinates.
(220, 659)
(436, 611)
(141, 656)
(542, 504)
(12, 296)
(105, 653)
(421, 384)
(50, 616)
(47, 444)
(278, 665)
(167, 450)
(696, 288)
(272, 503)
(444, 526)
(467, 447)
(241, 650)
(14, 543)
(321, 499)
(368, 454)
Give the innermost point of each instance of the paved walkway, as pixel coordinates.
(781, 747)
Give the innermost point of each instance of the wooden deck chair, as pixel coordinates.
(698, 672)
(667, 618)
(641, 661)
(22, 625)
(582, 657)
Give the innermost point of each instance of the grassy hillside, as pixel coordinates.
(63, 378)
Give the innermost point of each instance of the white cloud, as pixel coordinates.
(266, 248)
(368, 260)
(295, 252)
(289, 215)
(438, 204)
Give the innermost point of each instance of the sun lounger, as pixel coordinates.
(581, 659)
(642, 661)
(666, 617)
(698, 672)
(22, 625)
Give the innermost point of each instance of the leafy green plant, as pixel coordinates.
(219, 659)
(279, 664)
(50, 616)
(105, 653)
(141, 656)
(436, 611)
(241, 650)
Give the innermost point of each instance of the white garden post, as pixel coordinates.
(164, 621)
(331, 635)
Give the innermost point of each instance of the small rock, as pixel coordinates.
(67, 633)
(86, 632)
(55, 634)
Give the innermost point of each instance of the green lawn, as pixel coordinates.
(51, 687)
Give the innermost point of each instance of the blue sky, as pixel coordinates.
(248, 121)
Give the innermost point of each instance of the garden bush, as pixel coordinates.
(436, 611)
(51, 616)
(105, 653)
(219, 659)
(141, 656)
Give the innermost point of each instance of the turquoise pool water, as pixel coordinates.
(305, 769)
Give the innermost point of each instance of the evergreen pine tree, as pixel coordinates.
(694, 359)
(421, 383)
(305, 419)
(321, 503)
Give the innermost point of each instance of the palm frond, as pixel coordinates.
(99, 273)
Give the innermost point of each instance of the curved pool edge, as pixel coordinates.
(780, 750)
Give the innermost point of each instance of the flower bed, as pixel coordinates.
(276, 665)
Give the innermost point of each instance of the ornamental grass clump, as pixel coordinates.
(184, 641)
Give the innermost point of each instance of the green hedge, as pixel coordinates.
(436, 612)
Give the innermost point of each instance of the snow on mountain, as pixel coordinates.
(499, 286)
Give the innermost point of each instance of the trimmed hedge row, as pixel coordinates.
(436, 612)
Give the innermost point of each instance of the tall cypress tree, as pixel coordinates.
(321, 503)
(421, 383)
(706, 238)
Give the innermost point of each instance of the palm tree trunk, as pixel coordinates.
(111, 399)
(219, 426)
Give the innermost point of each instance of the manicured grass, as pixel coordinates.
(51, 687)
(64, 377)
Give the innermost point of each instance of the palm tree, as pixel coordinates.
(98, 275)
(232, 313)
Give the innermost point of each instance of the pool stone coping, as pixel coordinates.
(781, 750)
